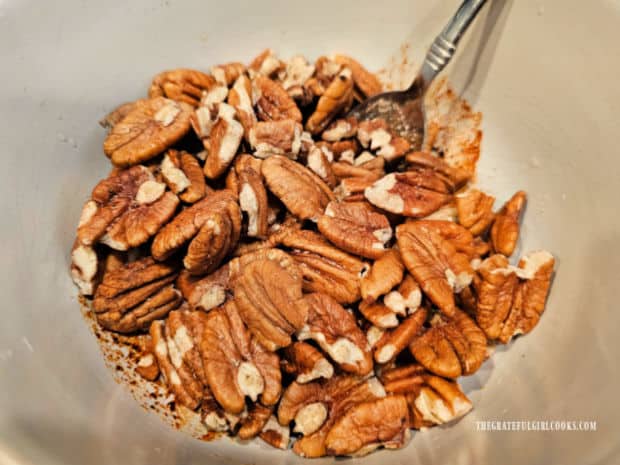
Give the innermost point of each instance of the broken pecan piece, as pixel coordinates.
(253, 424)
(475, 211)
(377, 136)
(303, 192)
(236, 365)
(227, 73)
(406, 299)
(356, 228)
(281, 137)
(182, 85)
(266, 64)
(270, 302)
(385, 273)
(337, 98)
(505, 228)
(451, 347)
(241, 98)
(393, 342)
(339, 129)
(147, 130)
(132, 296)
(84, 268)
(252, 195)
(434, 262)
(224, 140)
(204, 293)
(336, 331)
(307, 363)
(273, 102)
(413, 193)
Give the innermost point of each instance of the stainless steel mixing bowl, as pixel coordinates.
(547, 82)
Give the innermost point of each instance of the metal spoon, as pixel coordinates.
(403, 110)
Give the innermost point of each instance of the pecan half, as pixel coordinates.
(183, 175)
(213, 226)
(377, 136)
(475, 211)
(147, 130)
(273, 102)
(132, 296)
(266, 63)
(413, 193)
(252, 195)
(364, 80)
(317, 161)
(378, 314)
(336, 331)
(406, 299)
(385, 273)
(434, 262)
(227, 73)
(281, 137)
(224, 140)
(417, 160)
(337, 98)
(303, 192)
(393, 342)
(325, 268)
(270, 302)
(505, 230)
(356, 228)
(125, 210)
(116, 115)
(235, 364)
(241, 98)
(451, 347)
(182, 85)
(307, 363)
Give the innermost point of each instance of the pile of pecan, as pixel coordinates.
(299, 276)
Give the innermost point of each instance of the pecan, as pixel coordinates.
(224, 140)
(352, 189)
(393, 342)
(356, 228)
(227, 73)
(270, 302)
(125, 210)
(339, 129)
(406, 299)
(326, 71)
(182, 85)
(146, 131)
(375, 135)
(336, 331)
(235, 364)
(186, 389)
(183, 175)
(412, 193)
(272, 101)
(275, 434)
(307, 363)
(116, 115)
(385, 273)
(241, 98)
(303, 192)
(358, 432)
(253, 424)
(337, 98)
(417, 160)
(342, 150)
(451, 347)
(252, 195)
(297, 72)
(378, 314)
(432, 400)
(212, 225)
(371, 171)
(132, 296)
(505, 229)
(266, 64)
(511, 299)
(325, 268)
(434, 262)
(207, 292)
(318, 163)
(364, 80)
(84, 268)
(147, 366)
(281, 137)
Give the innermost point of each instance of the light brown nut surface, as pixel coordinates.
(451, 347)
(307, 362)
(110, 120)
(241, 98)
(148, 130)
(270, 302)
(183, 175)
(356, 228)
(336, 331)
(457, 176)
(273, 102)
(336, 99)
(413, 193)
(318, 163)
(339, 129)
(364, 80)
(84, 268)
(226, 74)
(282, 137)
(406, 299)
(505, 228)
(375, 135)
(385, 273)
(182, 85)
(253, 424)
(434, 262)
(475, 211)
(366, 426)
(204, 293)
(378, 314)
(132, 296)
(265, 63)
(303, 192)
(325, 268)
(224, 140)
(393, 342)
(252, 195)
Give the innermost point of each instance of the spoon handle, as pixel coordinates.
(444, 45)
